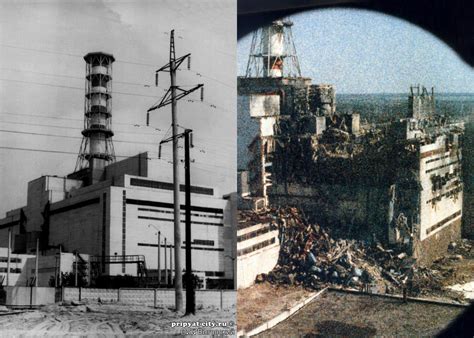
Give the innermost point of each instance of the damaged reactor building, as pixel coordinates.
(398, 182)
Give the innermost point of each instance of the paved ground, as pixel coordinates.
(343, 314)
(261, 302)
(105, 320)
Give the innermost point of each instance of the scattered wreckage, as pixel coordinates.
(310, 257)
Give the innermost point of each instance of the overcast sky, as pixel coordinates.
(42, 73)
(367, 52)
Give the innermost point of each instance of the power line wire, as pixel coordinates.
(199, 138)
(69, 87)
(67, 136)
(68, 152)
(77, 137)
(76, 128)
(117, 60)
(76, 77)
(113, 92)
(168, 160)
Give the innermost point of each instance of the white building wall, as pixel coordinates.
(141, 239)
(78, 221)
(22, 267)
(257, 260)
(255, 263)
(18, 272)
(439, 162)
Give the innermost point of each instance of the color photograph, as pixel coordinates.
(355, 176)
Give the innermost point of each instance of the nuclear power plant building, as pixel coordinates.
(120, 213)
(398, 182)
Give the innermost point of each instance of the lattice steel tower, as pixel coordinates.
(273, 52)
(97, 149)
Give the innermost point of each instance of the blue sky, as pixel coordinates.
(367, 52)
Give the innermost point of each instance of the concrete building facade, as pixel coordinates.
(121, 216)
(258, 249)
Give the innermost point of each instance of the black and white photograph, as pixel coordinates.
(118, 168)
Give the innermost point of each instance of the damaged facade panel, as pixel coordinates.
(398, 182)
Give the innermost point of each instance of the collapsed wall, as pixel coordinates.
(399, 182)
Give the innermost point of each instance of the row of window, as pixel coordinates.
(443, 222)
(12, 270)
(182, 213)
(182, 221)
(437, 159)
(169, 186)
(12, 260)
(215, 273)
(201, 242)
(450, 193)
(254, 233)
(441, 167)
(256, 247)
(154, 245)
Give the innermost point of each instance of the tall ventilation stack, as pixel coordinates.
(273, 52)
(97, 149)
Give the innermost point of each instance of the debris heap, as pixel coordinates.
(309, 256)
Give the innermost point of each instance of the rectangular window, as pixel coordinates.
(171, 206)
(12, 270)
(253, 234)
(215, 273)
(443, 222)
(169, 186)
(181, 213)
(256, 247)
(12, 260)
(441, 167)
(201, 242)
(182, 221)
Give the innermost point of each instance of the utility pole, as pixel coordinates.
(36, 262)
(171, 97)
(166, 267)
(8, 256)
(75, 270)
(171, 266)
(159, 267)
(190, 295)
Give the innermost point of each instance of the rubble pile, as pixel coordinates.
(461, 249)
(309, 256)
(249, 217)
